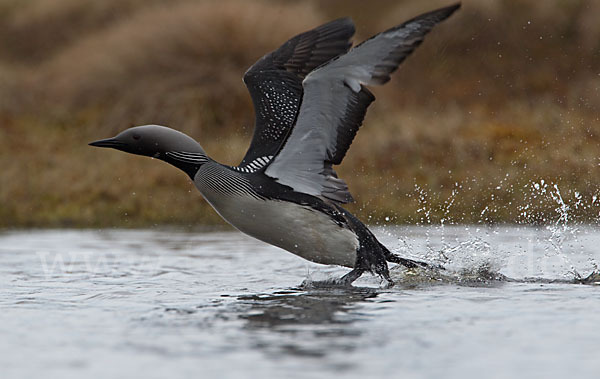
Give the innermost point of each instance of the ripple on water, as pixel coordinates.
(171, 303)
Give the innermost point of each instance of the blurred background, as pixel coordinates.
(495, 118)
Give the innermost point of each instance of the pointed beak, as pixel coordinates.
(108, 142)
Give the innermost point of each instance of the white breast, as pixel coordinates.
(298, 229)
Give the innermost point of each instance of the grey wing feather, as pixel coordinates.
(275, 83)
(334, 104)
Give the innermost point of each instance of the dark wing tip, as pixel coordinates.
(344, 25)
(454, 7)
(319, 45)
(438, 15)
(419, 27)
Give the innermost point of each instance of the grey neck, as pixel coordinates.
(171, 146)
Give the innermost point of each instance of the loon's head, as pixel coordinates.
(160, 142)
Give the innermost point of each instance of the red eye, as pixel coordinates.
(136, 137)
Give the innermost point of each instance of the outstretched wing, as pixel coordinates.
(334, 105)
(275, 85)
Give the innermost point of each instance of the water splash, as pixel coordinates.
(562, 225)
(482, 275)
(425, 220)
(480, 252)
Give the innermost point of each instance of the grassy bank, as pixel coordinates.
(498, 106)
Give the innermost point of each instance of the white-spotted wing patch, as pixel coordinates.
(277, 109)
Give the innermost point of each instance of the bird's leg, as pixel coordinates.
(351, 276)
(409, 263)
(385, 274)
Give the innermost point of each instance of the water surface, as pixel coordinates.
(172, 303)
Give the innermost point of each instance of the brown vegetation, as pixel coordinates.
(501, 96)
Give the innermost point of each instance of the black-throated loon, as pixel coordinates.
(310, 99)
